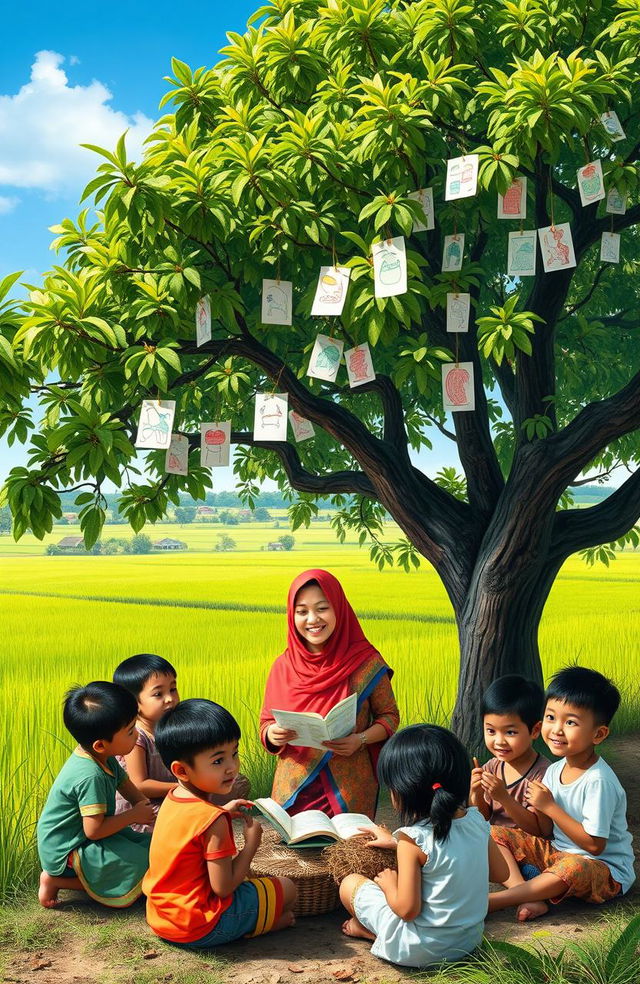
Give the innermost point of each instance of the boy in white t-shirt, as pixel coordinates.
(581, 806)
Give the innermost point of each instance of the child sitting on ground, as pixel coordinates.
(198, 895)
(512, 715)
(582, 806)
(81, 843)
(432, 909)
(153, 682)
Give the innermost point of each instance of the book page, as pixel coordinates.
(310, 728)
(347, 824)
(341, 719)
(310, 823)
(274, 813)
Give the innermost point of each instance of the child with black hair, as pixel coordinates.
(198, 892)
(153, 682)
(432, 909)
(81, 843)
(512, 717)
(581, 806)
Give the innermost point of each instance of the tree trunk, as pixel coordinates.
(498, 633)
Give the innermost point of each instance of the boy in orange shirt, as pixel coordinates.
(198, 894)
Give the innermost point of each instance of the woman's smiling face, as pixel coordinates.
(314, 617)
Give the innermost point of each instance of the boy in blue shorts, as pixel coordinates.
(581, 806)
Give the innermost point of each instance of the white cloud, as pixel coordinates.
(42, 126)
(7, 203)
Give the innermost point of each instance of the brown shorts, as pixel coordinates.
(586, 878)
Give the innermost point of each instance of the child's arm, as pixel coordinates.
(98, 826)
(525, 819)
(541, 797)
(226, 872)
(402, 888)
(137, 771)
(130, 791)
(476, 792)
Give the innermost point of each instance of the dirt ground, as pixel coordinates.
(111, 947)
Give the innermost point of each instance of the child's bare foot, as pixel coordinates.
(352, 927)
(286, 920)
(531, 910)
(47, 893)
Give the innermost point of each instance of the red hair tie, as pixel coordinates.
(436, 785)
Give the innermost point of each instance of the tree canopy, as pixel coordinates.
(301, 148)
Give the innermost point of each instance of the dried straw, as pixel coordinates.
(353, 857)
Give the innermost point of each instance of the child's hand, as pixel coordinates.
(344, 746)
(539, 796)
(252, 833)
(142, 812)
(476, 779)
(380, 837)
(280, 736)
(235, 807)
(494, 786)
(387, 880)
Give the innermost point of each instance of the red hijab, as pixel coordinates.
(304, 681)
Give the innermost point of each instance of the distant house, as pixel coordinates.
(275, 545)
(69, 543)
(166, 544)
(205, 511)
(71, 517)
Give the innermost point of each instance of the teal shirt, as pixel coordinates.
(82, 788)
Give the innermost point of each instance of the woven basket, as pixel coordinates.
(317, 891)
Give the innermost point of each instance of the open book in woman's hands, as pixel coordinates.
(312, 824)
(313, 729)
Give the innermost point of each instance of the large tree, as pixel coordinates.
(299, 149)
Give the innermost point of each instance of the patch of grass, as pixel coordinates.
(30, 927)
(607, 955)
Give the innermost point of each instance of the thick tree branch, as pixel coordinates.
(578, 529)
(332, 483)
(596, 426)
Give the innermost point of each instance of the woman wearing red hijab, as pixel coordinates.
(327, 658)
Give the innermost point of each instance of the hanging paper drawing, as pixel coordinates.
(276, 302)
(513, 204)
(389, 267)
(616, 203)
(462, 177)
(591, 183)
(359, 365)
(176, 460)
(325, 358)
(458, 310)
(203, 321)
(610, 247)
(452, 253)
(270, 417)
(457, 386)
(215, 445)
(425, 197)
(556, 246)
(156, 422)
(331, 292)
(302, 428)
(521, 256)
(612, 125)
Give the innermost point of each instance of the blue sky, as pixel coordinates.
(73, 73)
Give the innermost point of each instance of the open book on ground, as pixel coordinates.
(312, 729)
(312, 823)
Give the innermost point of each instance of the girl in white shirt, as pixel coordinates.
(433, 908)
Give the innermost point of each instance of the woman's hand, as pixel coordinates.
(278, 736)
(344, 746)
(380, 837)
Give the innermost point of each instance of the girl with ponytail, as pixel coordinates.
(432, 909)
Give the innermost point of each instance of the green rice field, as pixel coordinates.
(219, 618)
